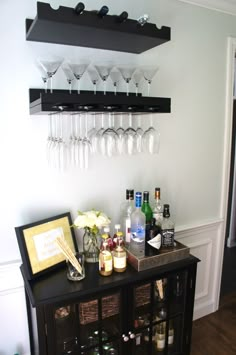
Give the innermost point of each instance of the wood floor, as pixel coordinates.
(215, 334)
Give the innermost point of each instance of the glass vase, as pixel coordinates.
(91, 247)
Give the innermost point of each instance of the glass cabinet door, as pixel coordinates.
(89, 327)
(158, 317)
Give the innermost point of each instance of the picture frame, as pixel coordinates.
(38, 249)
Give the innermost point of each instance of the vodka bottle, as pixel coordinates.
(127, 210)
(103, 11)
(167, 228)
(157, 207)
(138, 221)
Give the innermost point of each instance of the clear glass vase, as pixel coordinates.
(91, 246)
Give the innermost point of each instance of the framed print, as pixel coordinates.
(38, 249)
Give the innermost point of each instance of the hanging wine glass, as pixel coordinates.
(139, 132)
(126, 73)
(62, 147)
(92, 134)
(109, 140)
(78, 69)
(120, 131)
(50, 66)
(151, 139)
(149, 72)
(104, 72)
(86, 144)
(97, 142)
(130, 138)
(72, 140)
(94, 76)
(115, 78)
(69, 75)
(137, 78)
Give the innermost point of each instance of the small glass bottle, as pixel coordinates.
(160, 336)
(158, 207)
(115, 236)
(119, 255)
(127, 210)
(105, 257)
(167, 229)
(171, 333)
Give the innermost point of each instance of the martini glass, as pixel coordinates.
(94, 76)
(78, 70)
(149, 72)
(69, 75)
(126, 73)
(115, 77)
(49, 66)
(44, 76)
(104, 72)
(137, 78)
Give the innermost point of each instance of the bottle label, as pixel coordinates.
(105, 261)
(168, 237)
(138, 233)
(161, 343)
(127, 230)
(170, 339)
(119, 263)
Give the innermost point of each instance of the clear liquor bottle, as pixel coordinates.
(138, 222)
(128, 208)
(158, 207)
(167, 228)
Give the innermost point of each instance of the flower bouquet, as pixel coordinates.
(91, 221)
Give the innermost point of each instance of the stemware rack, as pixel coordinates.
(87, 101)
(65, 26)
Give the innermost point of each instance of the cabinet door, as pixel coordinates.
(89, 327)
(159, 315)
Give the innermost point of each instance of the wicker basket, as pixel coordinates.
(142, 295)
(88, 311)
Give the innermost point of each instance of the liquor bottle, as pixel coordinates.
(143, 19)
(146, 208)
(79, 8)
(109, 238)
(103, 11)
(105, 258)
(127, 211)
(171, 333)
(115, 236)
(157, 207)
(160, 336)
(122, 17)
(119, 255)
(138, 221)
(167, 228)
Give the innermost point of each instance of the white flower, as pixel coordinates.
(91, 219)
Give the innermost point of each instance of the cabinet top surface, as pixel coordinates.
(55, 287)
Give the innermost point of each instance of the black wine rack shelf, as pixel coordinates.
(61, 100)
(65, 26)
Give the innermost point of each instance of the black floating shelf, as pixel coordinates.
(87, 101)
(64, 26)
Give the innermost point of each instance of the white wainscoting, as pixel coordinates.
(204, 242)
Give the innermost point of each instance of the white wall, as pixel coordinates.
(189, 166)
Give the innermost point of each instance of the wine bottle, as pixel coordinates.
(103, 11)
(167, 228)
(79, 8)
(171, 333)
(123, 16)
(160, 337)
(143, 19)
(146, 208)
(138, 221)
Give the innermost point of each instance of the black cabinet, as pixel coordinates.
(132, 313)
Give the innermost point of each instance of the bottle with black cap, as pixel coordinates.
(128, 208)
(79, 8)
(123, 17)
(103, 11)
(167, 228)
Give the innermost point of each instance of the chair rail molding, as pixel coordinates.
(226, 6)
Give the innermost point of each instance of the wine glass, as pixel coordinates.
(49, 66)
(78, 70)
(139, 132)
(97, 142)
(115, 77)
(94, 76)
(86, 144)
(120, 131)
(126, 73)
(69, 75)
(104, 72)
(44, 76)
(92, 134)
(130, 138)
(109, 140)
(151, 139)
(137, 78)
(149, 72)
